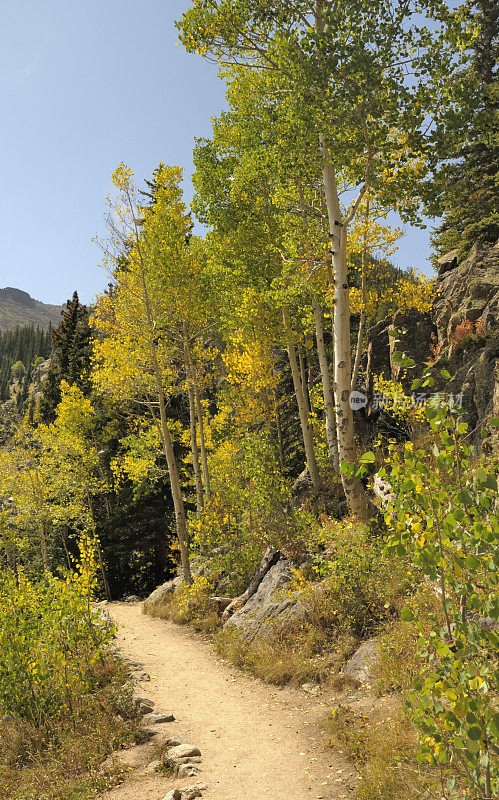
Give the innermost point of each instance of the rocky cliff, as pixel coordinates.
(461, 333)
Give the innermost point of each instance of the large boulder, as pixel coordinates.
(270, 608)
(162, 594)
(418, 333)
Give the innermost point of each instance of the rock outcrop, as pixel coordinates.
(161, 595)
(417, 335)
(467, 292)
(467, 316)
(269, 607)
(461, 333)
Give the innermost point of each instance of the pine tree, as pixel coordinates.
(72, 346)
(469, 178)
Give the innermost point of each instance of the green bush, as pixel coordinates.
(48, 644)
(445, 518)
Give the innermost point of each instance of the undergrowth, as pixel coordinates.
(66, 698)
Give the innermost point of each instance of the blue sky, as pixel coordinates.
(84, 86)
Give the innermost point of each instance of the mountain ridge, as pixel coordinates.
(17, 307)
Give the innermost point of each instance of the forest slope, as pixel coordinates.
(19, 308)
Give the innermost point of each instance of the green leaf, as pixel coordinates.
(367, 458)
(407, 615)
(474, 733)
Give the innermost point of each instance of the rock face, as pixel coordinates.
(467, 316)
(267, 608)
(416, 342)
(468, 291)
(464, 322)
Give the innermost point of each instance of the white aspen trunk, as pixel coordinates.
(178, 501)
(310, 386)
(356, 496)
(105, 581)
(362, 321)
(303, 377)
(302, 407)
(280, 443)
(103, 570)
(199, 411)
(43, 545)
(327, 390)
(37, 489)
(192, 424)
(64, 533)
(195, 452)
(202, 442)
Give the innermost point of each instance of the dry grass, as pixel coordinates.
(297, 653)
(383, 746)
(41, 762)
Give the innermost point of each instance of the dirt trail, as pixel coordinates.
(257, 742)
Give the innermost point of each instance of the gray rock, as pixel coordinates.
(184, 750)
(149, 731)
(144, 705)
(302, 485)
(189, 760)
(175, 794)
(469, 291)
(188, 770)
(101, 617)
(361, 665)
(154, 766)
(162, 593)
(132, 598)
(447, 262)
(417, 343)
(267, 609)
(190, 792)
(158, 718)
(173, 741)
(311, 688)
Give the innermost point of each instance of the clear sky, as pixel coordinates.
(84, 86)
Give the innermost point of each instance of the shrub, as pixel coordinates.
(66, 700)
(384, 746)
(468, 331)
(249, 510)
(49, 643)
(445, 519)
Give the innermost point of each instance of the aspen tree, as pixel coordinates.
(135, 358)
(349, 73)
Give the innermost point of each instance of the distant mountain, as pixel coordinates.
(19, 308)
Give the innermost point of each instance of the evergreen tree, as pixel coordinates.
(468, 181)
(72, 346)
(25, 345)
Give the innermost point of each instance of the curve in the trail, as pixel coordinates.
(257, 742)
